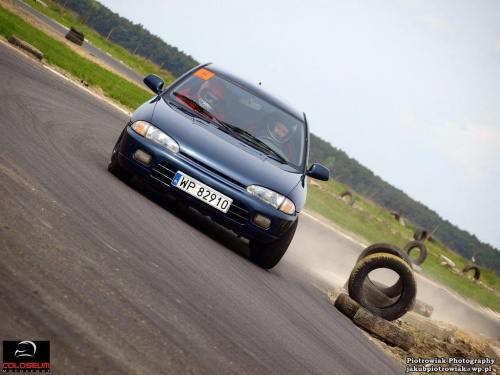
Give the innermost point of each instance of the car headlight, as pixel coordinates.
(276, 200)
(154, 134)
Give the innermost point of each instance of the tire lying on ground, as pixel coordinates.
(359, 274)
(75, 36)
(477, 272)
(78, 33)
(423, 251)
(350, 194)
(394, 290)
(420, 235)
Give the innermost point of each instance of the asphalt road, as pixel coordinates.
(98, 53)
(120, 280)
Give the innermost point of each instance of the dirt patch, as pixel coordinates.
(460, 348)
(463, 346)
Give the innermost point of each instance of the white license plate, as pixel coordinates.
(201, 191)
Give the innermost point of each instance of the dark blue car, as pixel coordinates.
(226, 148)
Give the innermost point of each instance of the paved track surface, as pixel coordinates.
(121, 281)
(103, 56)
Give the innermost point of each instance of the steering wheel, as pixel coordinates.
(270, 141)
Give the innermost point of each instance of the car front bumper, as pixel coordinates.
(165, 164)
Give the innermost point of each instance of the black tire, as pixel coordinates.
(73, 38)
(423, 251)
(394, 290)
(477, 271)
(114, 166)
(79, 36)
(77, 33)
(396, 215)
(268, 255)
(349, 193)
(420, 235)
(375, 261)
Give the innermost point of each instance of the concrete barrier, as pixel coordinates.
(447, 262)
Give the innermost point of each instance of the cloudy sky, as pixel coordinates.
(410, 88)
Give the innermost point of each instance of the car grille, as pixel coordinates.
(166, 172)
(214, 171)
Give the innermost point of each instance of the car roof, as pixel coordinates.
(256, 89)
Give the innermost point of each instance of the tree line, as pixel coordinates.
(348, 171)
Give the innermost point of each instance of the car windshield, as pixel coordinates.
(244, 115)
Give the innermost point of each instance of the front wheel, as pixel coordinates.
(114, 166)
(268, 255)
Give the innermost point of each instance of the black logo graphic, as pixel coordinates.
(26, 356)
(18, 352)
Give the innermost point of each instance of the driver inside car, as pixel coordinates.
(210, 96)
(280, 130)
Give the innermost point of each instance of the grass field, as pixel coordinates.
(375, 225)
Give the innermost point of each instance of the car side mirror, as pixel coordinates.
(154, 83)
(318, 172)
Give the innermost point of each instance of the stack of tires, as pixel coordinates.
(387, 302)
(75, 36)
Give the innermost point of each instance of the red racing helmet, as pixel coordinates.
(214, 85)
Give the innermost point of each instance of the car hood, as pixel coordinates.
(202, 141)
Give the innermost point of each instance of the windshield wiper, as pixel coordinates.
(233, 129)
(193, 105)
(189, 111)
(254, 140)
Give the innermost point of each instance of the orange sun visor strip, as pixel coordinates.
(204, 74)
